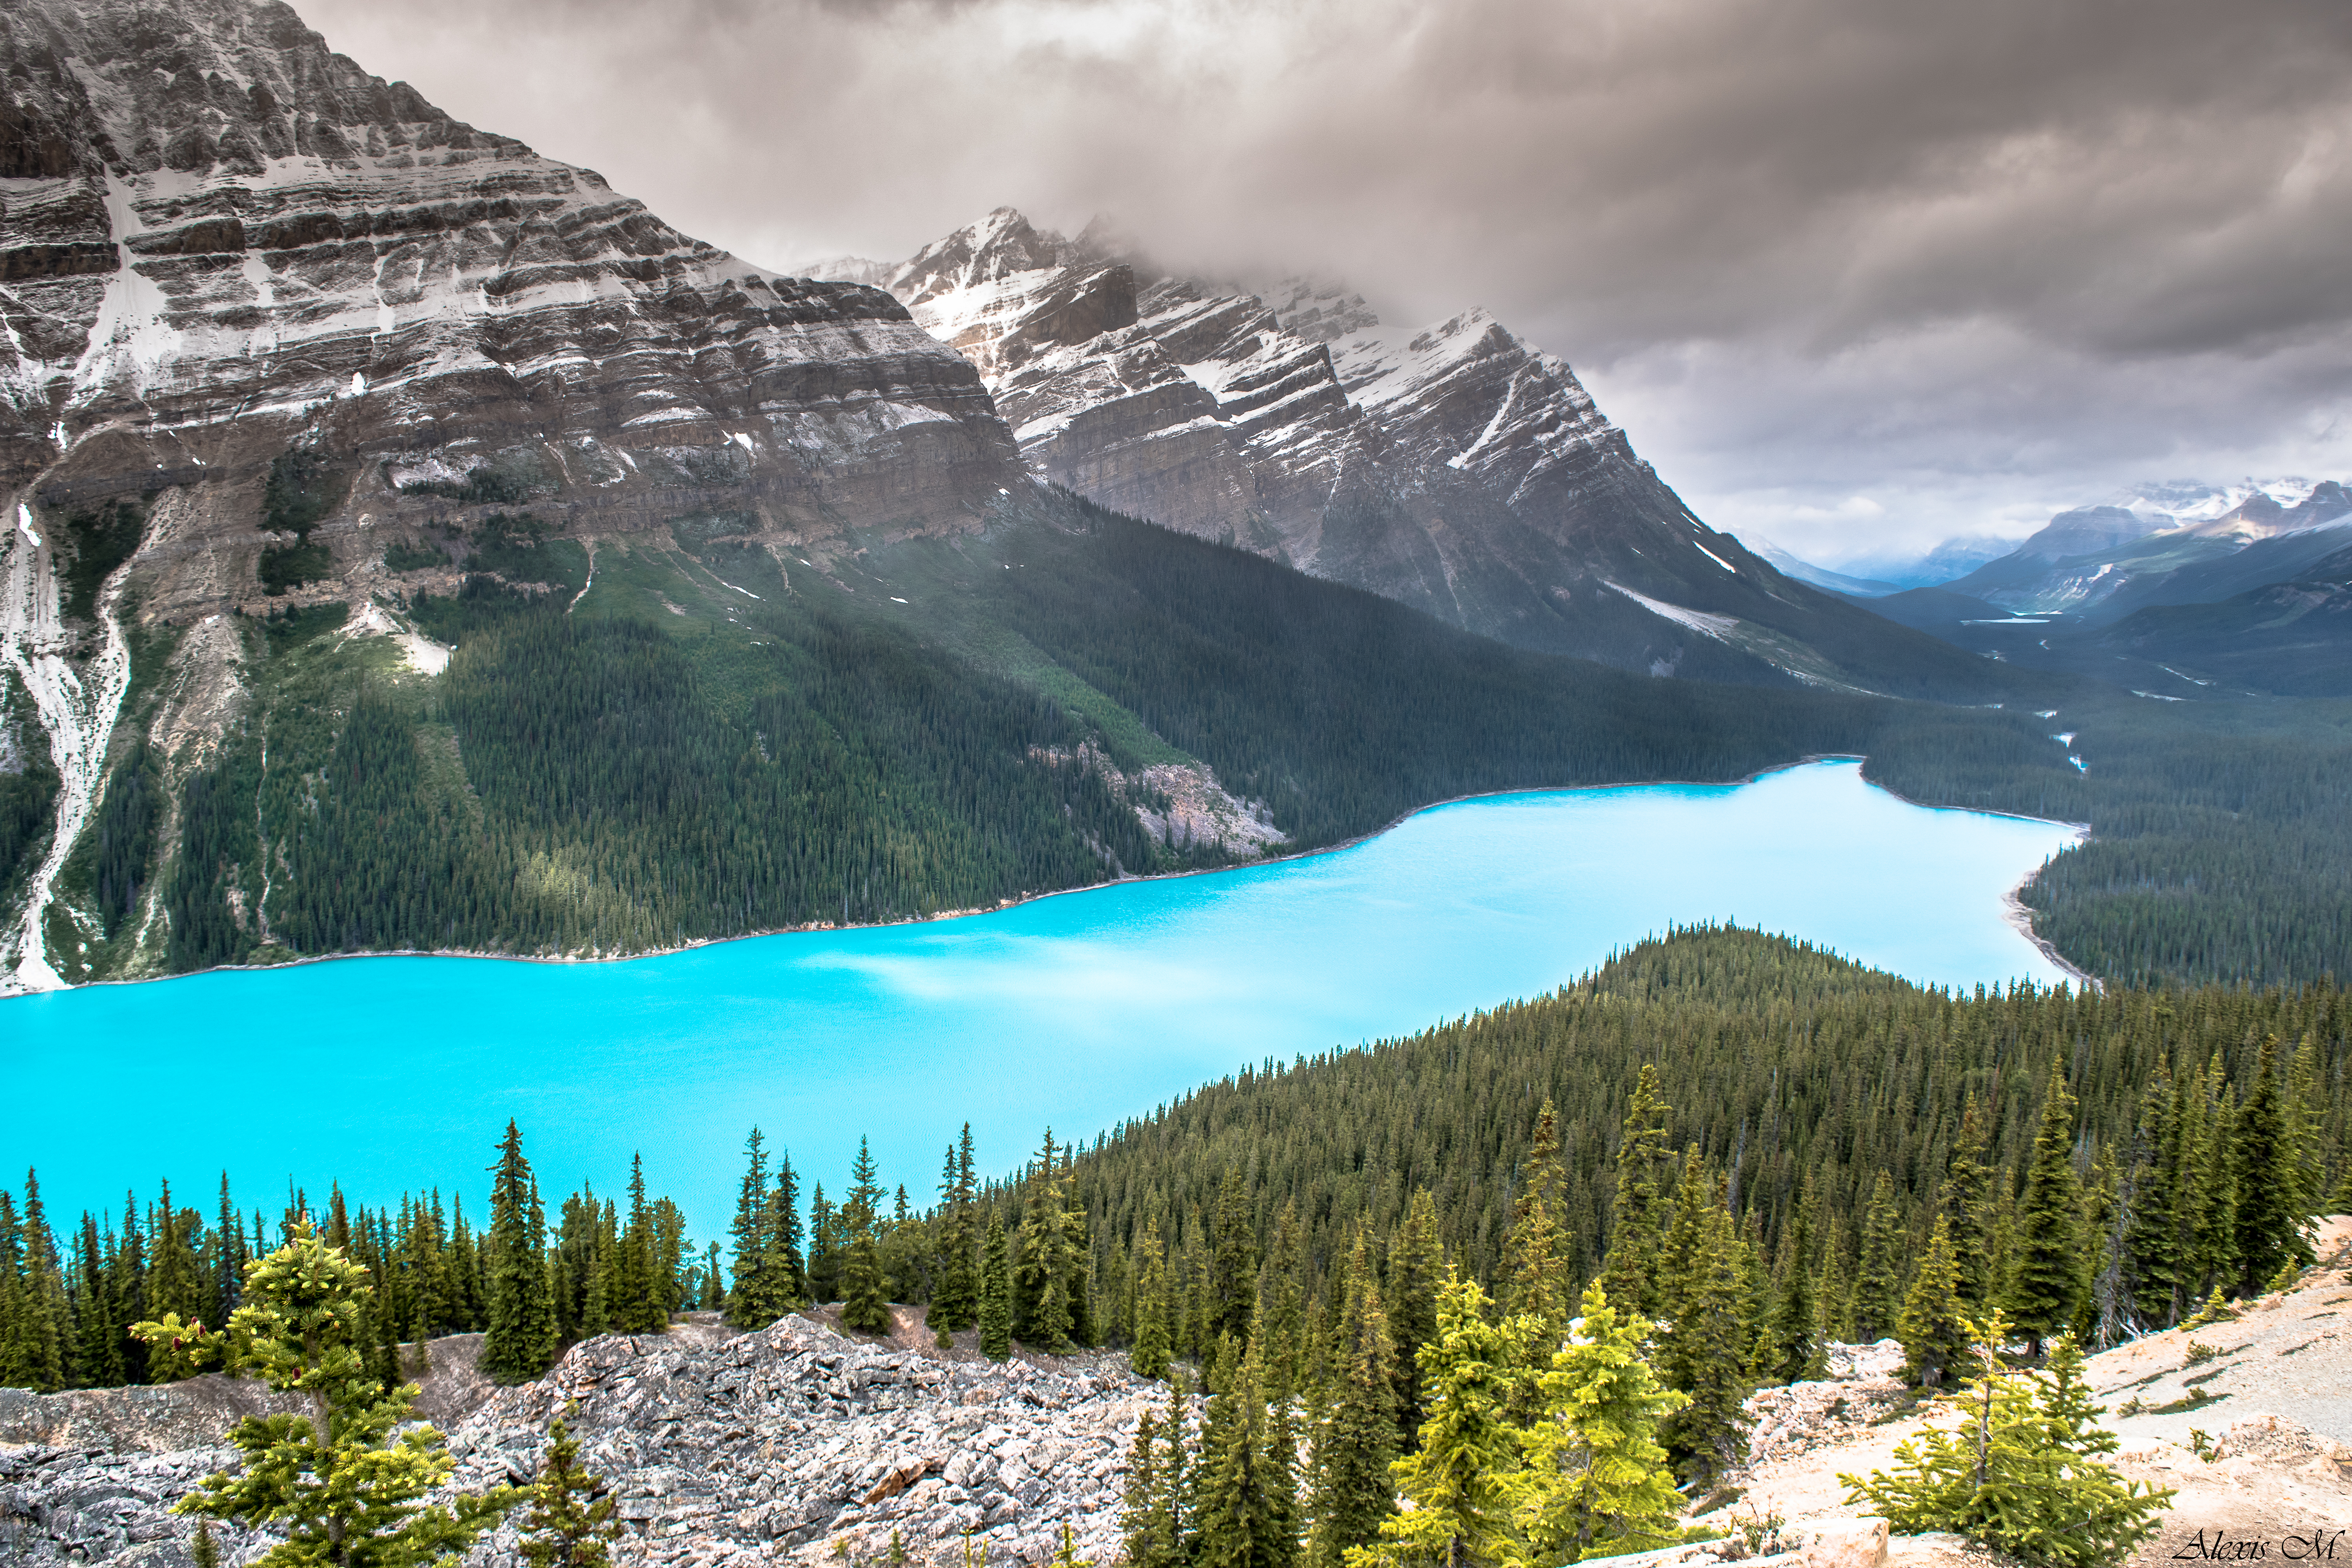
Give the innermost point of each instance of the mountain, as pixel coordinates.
(2084, 595)
(413, 543)
(1455, 467)
(1821, 576)
(2102, 561)
(1950, 559)
(2291, 636)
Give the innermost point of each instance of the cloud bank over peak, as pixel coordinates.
(1848, 271)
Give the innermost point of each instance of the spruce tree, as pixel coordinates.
(1416, 1269)
(1281, 1313)
(1879, 1276)
(520, 1340)
(1140, 1514)
(1356, 1440)
(995, 1294)
(2152, 1205)
(1636, 1223)
(955, 1304)
(1149, 1356)
(1794, 1350)
(1244, 1515)
(825, 1247)
(2270, 1215)
(1459, 1480)
(570, 1521)
(2046, 1278)
(1041, 1316)
(1535, 1262)
(638, 1306)
(2024, 1472)
(1077, 1256)
(865, 1306)
(1966, 1204)
(1233, 1276)
(1934, 1327)
(1593, 1481)
(787, 1267)
(1700, 1350)
(341, 1482)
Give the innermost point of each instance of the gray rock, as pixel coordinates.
(718, 1451)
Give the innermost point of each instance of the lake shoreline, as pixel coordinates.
(2014, 908)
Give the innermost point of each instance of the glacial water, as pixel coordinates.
(1079, 1010)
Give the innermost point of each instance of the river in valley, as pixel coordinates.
(1078, 1011)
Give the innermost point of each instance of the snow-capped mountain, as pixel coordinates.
(1455, 467)
(2178, 542)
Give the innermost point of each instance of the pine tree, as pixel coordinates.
(1149, 1356)
(1636, 1224)
(1416, 1266)
(2023, 1473)
(955, 1304)
(865, 1307)
(1232, 1277)
(1535, 1262)
(2270, 1212)
(1460, 1479)
(2046, 1283)
(1794, 1350)
(1878, 1278)
(1140, 1513)
(1245, 1514)
(995, 1294)
(1594, 1481)
(1934, 1328)
(638, 1290)
(1357, 1441)
(2152, 1205)
(521, 1339)
(1699, 1351)
(569, 1524)
(341, 1483)
(1966, 1204)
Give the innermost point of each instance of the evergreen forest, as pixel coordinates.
(694, 737)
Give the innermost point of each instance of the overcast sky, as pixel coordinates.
(1854, 274)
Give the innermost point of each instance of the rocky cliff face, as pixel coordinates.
(217, 232)
(1455, 468)
(219, 241)
(720, 1450)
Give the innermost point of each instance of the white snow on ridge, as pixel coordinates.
(1719, 627)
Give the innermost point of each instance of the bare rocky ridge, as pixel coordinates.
(720, 1448)
(1456, 468)
(733, 1449)
(2275, 1417)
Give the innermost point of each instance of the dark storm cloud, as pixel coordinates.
(1829, 260)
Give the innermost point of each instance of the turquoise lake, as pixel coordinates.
(1079, 1010)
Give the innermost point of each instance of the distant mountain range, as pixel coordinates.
(1453, 467)
(2183, 589)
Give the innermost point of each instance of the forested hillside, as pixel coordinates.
(2221, 838)
(696, 738)
(1837, 1111)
